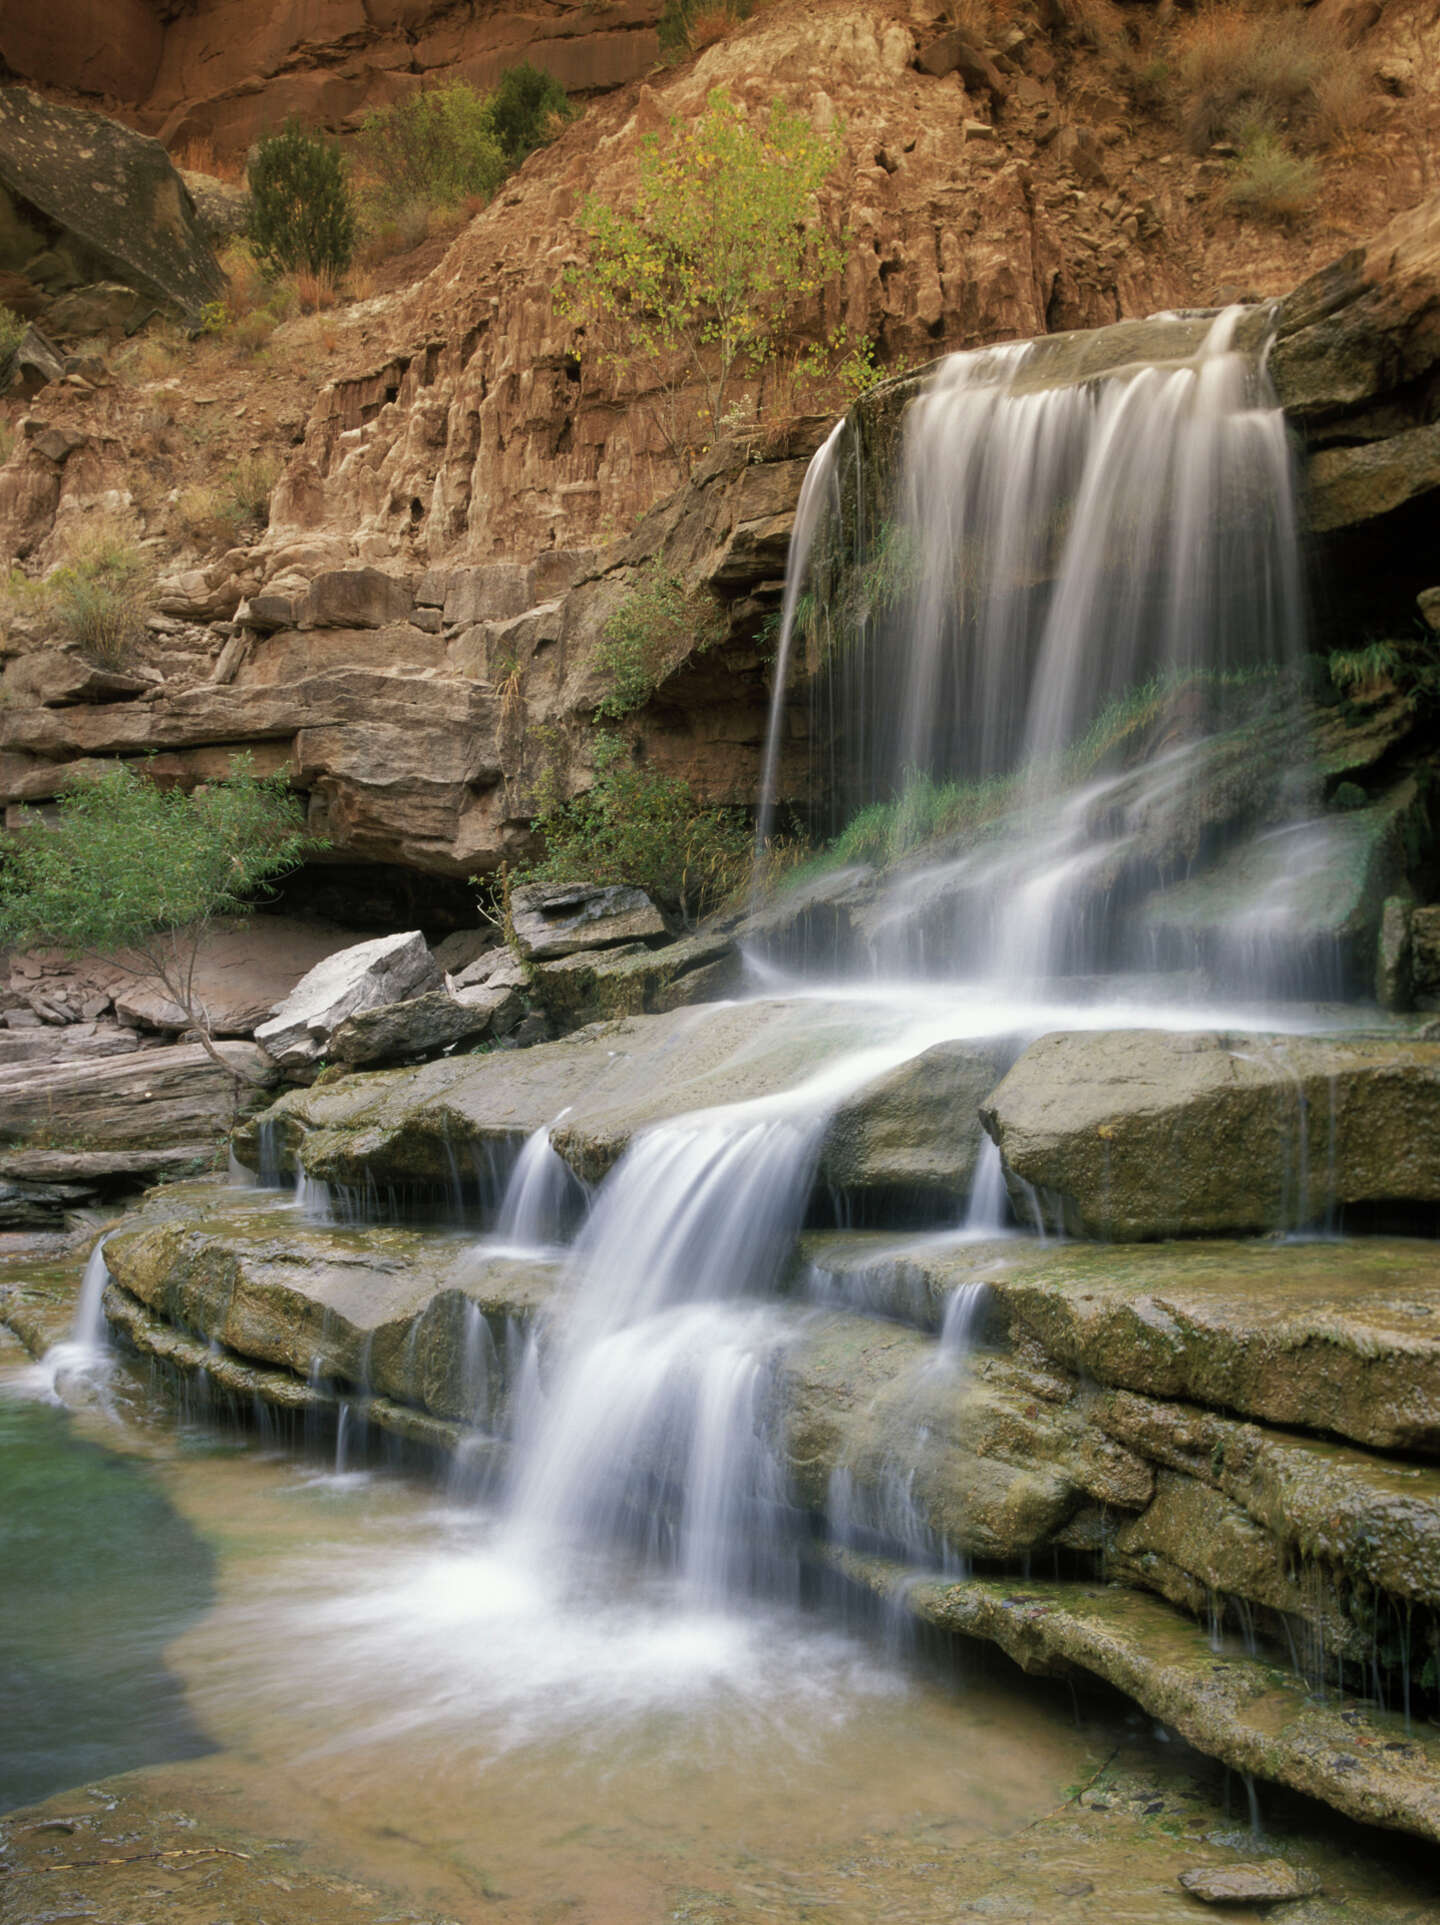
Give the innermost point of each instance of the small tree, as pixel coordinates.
(706, 268)
(300, 209)
(133, 867)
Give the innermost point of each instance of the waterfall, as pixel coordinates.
(817, 499)
(656, 1416)
(82, 1359)
(1085, 538)
(542, 1198)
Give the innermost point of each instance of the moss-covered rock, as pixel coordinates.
(1259, 1718)
(387, 1311)
(1149, 1133)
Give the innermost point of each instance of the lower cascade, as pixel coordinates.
(1033, 1253)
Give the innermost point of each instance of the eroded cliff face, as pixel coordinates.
(226, 72)
(466, 496)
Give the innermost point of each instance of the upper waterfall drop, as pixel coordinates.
(994, 572)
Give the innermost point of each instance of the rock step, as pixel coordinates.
(1135, 1134)
(1253, 1716)
(1342, 1338)
(153, 1337)
(396, 1313)
(907, 1123)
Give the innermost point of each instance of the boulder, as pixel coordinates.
(367, 976)
(633, 980)
(917, 1129)
(355, 598)
(1148, 1133)
(1273, 1883)
(552, 919)
(114, 195)
(399, 1032)
(243, 969)
(458, 950)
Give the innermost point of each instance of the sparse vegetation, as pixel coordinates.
(687, 26)
(1270, 183)
(130, 866)
(301, 213)
(12, 333)
(100, 594)
(656, 626)
(702, 273)
(223, 510)
(1244, 73)
(1408, 668)
(637, 826)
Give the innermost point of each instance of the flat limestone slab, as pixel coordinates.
(1339, 1337)
(1136, 1134)
(904, 1100)
(1256, 1717)
(388, 1311)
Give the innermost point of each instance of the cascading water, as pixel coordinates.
(543, 1198)
(1052, 543)
(1036, 633)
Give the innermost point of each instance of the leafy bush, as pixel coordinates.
(527, 109)
(300, 214)
(636, 826)
(659, 622)
(434, 149)
(704, 271)
(1270, 183)
(131, 866)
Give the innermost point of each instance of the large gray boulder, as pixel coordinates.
(917, 1129)
(1151, 1133)
(399, 1032)
(390, 969)
(553, 919)
(123, 212)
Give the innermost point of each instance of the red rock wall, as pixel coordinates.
(228, 71)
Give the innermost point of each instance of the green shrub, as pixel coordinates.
(132, 866)
(12, 333)
(527, 109)
(636, 826)
(101, 595)
(702, 274)
(301, 214)
(1270, 183)
(435, 149)
(654, 628)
